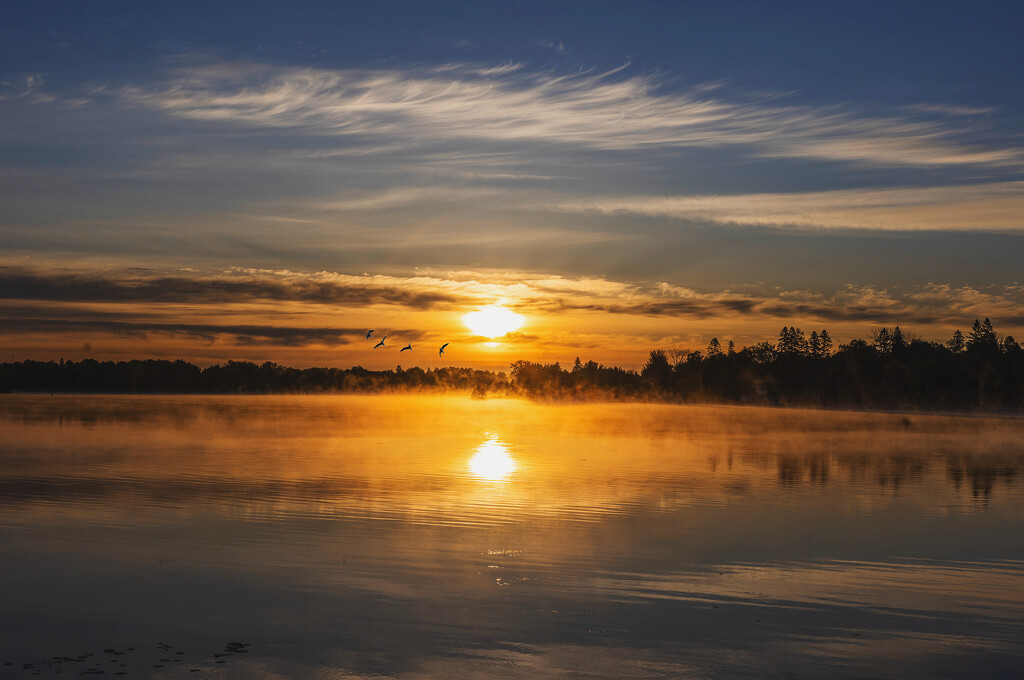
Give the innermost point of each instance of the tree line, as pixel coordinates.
(155, 376)
(894, 369)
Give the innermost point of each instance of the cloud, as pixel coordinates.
(446, 162)
(200, 306)
(27, 87)
(589, 109)
(785, 312)
(928, 304)
(242, 286)
(676, 309)
(527, 292)
(289, 336)
(408, 196)
(997, 206)
(952, 110)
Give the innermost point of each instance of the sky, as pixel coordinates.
(269, 181)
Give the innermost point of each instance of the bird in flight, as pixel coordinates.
(381, 343)
(369, 334)
(409, 346)
(441, 351)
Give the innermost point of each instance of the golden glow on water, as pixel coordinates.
(493, 321)
(862, 537)
(492, 461)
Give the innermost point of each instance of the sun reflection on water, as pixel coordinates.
(492, 461)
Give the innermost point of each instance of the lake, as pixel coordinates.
(422, 537)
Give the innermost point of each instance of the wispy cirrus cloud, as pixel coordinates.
(608, 110)
(29, 87)
(951, 110)
(994, 206)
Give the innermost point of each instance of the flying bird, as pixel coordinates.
(381, 343)
(441, 351)
(409, 346)
(369, 334)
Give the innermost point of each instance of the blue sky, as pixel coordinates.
(886, 51)
(664, 171)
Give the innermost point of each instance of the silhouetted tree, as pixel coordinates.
(826, 343)
(820, 345)
(890, 342)
(762, 353)
(792, 342)
(882, 340)
(982, 337)
(957, 343)
(657, 371)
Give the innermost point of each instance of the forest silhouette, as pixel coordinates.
(978, 371)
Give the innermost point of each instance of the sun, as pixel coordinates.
(493, 321)
(492, 461)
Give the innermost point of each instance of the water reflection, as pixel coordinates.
(492, 461)
(506, 539)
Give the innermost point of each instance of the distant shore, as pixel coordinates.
(909, 377)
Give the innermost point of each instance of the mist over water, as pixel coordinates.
(415, 537)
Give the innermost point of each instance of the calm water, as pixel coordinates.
(409, 537)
